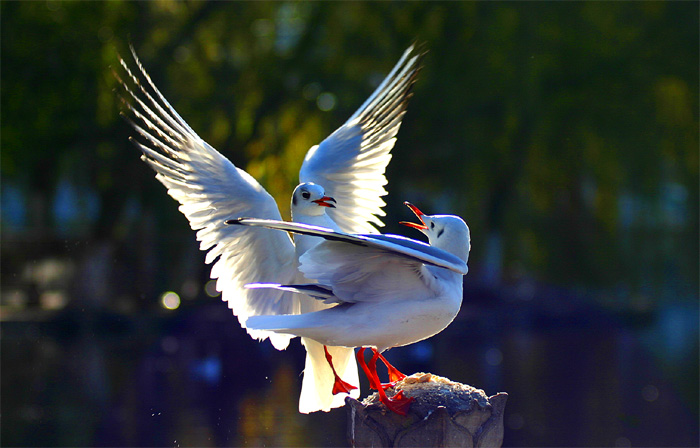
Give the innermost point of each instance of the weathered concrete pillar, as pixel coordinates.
(445, 414)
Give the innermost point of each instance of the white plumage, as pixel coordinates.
(391, 291)
(348, 166)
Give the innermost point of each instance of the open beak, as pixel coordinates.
(325, 202)
(419, 214)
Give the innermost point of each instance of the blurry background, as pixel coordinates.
(566, 135)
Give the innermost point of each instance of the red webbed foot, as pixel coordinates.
(394, 373)
(339, 386)
(399, 403)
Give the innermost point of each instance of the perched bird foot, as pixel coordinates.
(339, 386)
(399, 403)
(342, 387)
(388, 385)
(395, 374)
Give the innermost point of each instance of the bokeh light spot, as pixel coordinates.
(210, 289)
(326, 101)
(170, 300)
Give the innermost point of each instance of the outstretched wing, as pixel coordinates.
(394, 244)
(350, 163)
(211, 189)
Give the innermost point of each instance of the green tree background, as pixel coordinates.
(565, 134)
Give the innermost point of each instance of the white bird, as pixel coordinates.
(347, 167)
(389, 290)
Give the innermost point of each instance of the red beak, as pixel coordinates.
(325, 201)
(419, 214)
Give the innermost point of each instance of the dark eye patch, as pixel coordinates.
(440, 232)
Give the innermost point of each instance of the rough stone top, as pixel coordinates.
(444, 414)
(431, 391)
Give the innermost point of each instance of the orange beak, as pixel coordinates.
(419, 214)
(325, 201)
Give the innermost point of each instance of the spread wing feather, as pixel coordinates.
(350, 163)
(210, 189)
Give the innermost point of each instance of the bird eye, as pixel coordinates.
(432, 225)
(305, 194)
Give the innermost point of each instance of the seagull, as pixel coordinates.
(341, 184)
(388, 290)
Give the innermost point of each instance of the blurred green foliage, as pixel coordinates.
(569, 130)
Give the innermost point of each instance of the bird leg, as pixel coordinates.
(398, 403)
(394, 373)
(339, 386)
(371, 377)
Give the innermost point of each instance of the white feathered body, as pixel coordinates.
(386, 298)
(382, 324)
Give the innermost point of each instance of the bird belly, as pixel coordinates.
(383, 324)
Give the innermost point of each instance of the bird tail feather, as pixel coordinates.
(317, 385)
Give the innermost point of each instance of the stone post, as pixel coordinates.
(445, 414)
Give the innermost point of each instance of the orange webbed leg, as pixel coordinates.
(394, 373)
(339, 386)
(398, 403)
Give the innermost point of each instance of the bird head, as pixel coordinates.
(310, 199)
(447, 232)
